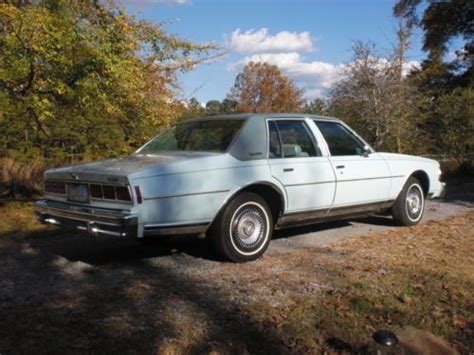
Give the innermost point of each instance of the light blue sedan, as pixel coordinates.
(237, 178)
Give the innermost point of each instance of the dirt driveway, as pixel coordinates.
(63, 292)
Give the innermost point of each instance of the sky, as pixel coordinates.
(310, 40)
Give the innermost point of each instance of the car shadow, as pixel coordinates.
(323, 226)
(109, 250)
(78, 246)
(52, 306)
(310, 228)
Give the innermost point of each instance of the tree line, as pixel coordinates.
(82, 80)
(426, 109)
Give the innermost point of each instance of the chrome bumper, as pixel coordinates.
(440, 192)
(93, 220)
(443, 190)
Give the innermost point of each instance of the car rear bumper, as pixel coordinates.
(440, 191)
(95, 221)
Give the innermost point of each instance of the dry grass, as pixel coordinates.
(18, 221)
(422, 277)
(22, 178)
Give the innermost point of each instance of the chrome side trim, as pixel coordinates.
(185, 195)
(371, 178)
(176, 224)
(327, 214)
(341, 181)
(373, 207)
(312, 183)
(176, 229)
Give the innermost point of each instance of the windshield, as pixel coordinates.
(197, 136)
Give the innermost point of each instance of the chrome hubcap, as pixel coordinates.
(248, 226)
(414, 201)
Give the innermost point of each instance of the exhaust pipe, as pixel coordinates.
(50, 220)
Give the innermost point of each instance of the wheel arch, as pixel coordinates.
(269, 191)
(423, 178)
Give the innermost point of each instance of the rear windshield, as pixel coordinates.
(196, 136)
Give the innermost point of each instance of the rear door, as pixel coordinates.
(362, 176)
(296, 161)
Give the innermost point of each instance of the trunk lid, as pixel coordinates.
(115, 171)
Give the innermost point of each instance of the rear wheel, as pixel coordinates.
(243, 230)
(410, 204)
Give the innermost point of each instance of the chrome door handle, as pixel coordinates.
(288, 170)
(340, 166)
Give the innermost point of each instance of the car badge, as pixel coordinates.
(75, 176)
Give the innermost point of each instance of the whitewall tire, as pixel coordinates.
(243, 230)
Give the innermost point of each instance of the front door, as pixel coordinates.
(363, 176)
(295, 160)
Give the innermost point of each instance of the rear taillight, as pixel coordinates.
(139, 194)
(108, 192)
(96, 191)
(122, 193)
(55, 187)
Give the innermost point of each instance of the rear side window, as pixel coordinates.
(195, 136)
(290, 139)
(340, 140)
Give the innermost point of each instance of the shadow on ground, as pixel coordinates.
(73, 293)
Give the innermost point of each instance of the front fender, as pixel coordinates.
(403, 166)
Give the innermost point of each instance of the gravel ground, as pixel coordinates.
(459, 200)
(62, 292)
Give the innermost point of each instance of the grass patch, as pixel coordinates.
(428, 283)
(360, 305)
(18, 219)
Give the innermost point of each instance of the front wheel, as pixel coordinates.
(243, 230)
(410, 204)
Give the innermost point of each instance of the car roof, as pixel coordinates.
(245, 116)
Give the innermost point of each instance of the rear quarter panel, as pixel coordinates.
(178, 197)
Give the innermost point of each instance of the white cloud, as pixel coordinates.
(257, 41)
(315, 77)
(411, 65)
(284, 50)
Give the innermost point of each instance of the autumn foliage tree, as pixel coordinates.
(82, 79)
(262, 87)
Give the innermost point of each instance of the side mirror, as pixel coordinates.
(366, 151)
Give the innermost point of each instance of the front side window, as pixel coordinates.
(197, 136)
(340, 140)
(290, 139)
